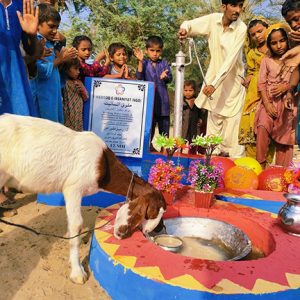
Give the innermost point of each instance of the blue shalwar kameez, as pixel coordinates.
(16, 80)
(47, 87)
(4, 66)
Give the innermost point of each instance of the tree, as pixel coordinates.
(132, 21)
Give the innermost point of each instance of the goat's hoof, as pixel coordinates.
(79, 277)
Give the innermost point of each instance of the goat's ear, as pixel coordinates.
(137, 211)
(155, 203)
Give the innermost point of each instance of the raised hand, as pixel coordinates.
(164, 74)
(103, 55)
(30, 18)
(70, 53)
(138, 54)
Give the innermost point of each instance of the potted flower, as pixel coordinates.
(170, 144)
(203, 176)
(166, 177)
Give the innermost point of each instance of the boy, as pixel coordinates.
(223, 96)
(158, 71)
(47, 84)
(291, 12)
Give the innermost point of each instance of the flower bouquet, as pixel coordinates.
(170, 144)
(204, 178)
(165, 176)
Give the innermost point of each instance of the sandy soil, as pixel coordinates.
(36, 267)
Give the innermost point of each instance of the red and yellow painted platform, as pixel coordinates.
(135, 268)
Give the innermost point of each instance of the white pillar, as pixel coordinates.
(178, 100)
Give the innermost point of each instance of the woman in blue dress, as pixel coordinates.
(15, 85)
(15, 94)
(4, 82)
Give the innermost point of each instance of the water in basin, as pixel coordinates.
(208, 238)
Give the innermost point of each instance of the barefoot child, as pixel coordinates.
(276, 116)
(74, 94)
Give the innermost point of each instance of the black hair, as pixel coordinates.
(154, 40)
(193, 84)
(289, 5)
(233, 2)
(114, 47)
(65, 67)
(251, 24)
(79, 38)
(47, 13)
(254, 22)
(284, 34)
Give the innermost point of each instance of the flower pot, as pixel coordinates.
(168, 197)
(203, 199)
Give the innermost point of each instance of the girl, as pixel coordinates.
(84, 46)
(193, 118)
(74, 94)
(276, 115)
(118, 68)
(257, 36)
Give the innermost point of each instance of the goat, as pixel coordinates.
(40, 156)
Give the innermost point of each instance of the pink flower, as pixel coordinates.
(204, 177)
(165, 176)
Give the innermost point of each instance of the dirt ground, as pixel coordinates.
(37, 267)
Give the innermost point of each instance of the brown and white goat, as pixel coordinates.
(41, 156)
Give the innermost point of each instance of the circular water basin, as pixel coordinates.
(208, 238)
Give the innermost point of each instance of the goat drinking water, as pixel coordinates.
(40, 156)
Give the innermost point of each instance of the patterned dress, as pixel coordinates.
(93, 70)
(74, 94)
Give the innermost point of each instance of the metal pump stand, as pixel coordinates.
(178, 99)
(179, 81)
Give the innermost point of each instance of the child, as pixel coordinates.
(276, 116)
(193, 117)
(74, 93)
(158, 71)
(291, 13)
(257, 34)
(84, 46)
(118, 56)
(59, 40)
(47, 82)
